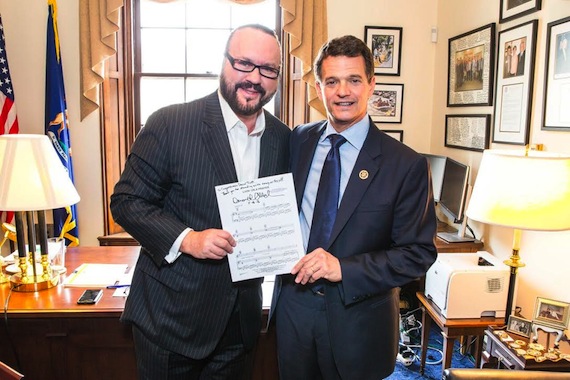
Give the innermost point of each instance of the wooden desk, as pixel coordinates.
(120, 238)
(460, 247)
(451, 329)
(123, 238)
(444, 247)
(48, 336)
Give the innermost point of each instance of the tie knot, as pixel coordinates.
(336, 140)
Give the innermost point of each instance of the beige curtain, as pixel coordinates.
(306, 23)
(98, 23)
(247, 1)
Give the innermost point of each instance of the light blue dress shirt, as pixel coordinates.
(349, 152)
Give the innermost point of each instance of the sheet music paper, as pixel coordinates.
(262, 216)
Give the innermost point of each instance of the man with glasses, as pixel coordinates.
(189, 320)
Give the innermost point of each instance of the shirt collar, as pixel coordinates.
(355, 135)
(231, 119)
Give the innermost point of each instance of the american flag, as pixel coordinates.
(8, 118)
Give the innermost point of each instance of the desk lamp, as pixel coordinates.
(524, 190)
(33, 180)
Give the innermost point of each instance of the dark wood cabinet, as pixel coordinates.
(69, 348)
(46, 335)
(499, 353)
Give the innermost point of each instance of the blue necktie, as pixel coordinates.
(326, 204)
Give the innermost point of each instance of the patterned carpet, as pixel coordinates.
(433, 368)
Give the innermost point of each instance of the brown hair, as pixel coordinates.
(348, 46)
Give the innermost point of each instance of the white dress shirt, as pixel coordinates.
(246, 151)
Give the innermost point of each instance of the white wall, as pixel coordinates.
(416, 17)
(546, 254)
(424, 74)
(25, 25)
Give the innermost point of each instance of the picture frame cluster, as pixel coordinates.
(549, 315)
(386, 104)
(474, 81)
(484, 69)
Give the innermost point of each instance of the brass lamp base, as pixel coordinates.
(514, 261)
(33, 283)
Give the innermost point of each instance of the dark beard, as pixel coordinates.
(230, 95)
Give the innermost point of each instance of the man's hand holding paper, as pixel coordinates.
(262, 217)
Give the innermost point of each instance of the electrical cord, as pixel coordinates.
(470, 230)
(406, 354)
(465, 348)
(416, 356)
(8, 336)
(409, 353)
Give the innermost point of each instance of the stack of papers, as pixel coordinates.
(99, 276)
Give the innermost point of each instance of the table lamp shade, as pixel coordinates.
(32, 175)
(526, 192)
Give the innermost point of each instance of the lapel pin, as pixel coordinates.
(363, 174)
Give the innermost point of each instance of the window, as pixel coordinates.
(169, 51)
(179, 48)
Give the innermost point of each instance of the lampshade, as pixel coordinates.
(32, 175)
(526, 192)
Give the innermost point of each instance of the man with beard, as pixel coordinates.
(189, 320)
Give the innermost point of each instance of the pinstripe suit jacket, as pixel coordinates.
(167, 185)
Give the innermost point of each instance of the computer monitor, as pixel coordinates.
(454, 194)
(454, 189)
(437, 168)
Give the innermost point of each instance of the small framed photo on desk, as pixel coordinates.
(519, 326)
(551, 313)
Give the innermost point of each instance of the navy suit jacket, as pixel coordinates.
(384, 238)
(167, 185)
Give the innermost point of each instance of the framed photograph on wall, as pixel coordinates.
(470, 68)
(515, 73)
(398, 134)
(556, 115)
(511, 9)
(386, 46)
(519, 326)
(386, 103)
(551, 313)
(470, 132)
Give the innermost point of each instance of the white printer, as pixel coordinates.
(468, 285)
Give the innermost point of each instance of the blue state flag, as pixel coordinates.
(57, 125)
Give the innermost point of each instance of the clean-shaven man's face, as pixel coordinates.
(344, 89)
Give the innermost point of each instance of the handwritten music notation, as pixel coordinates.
(263, 219)
(264, 233)
(261, 212)
(270, 257)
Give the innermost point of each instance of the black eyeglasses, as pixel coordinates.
(248, 67)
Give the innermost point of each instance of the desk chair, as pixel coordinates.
(8, 373)
(500, 374)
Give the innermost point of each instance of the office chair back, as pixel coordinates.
(8, 373)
